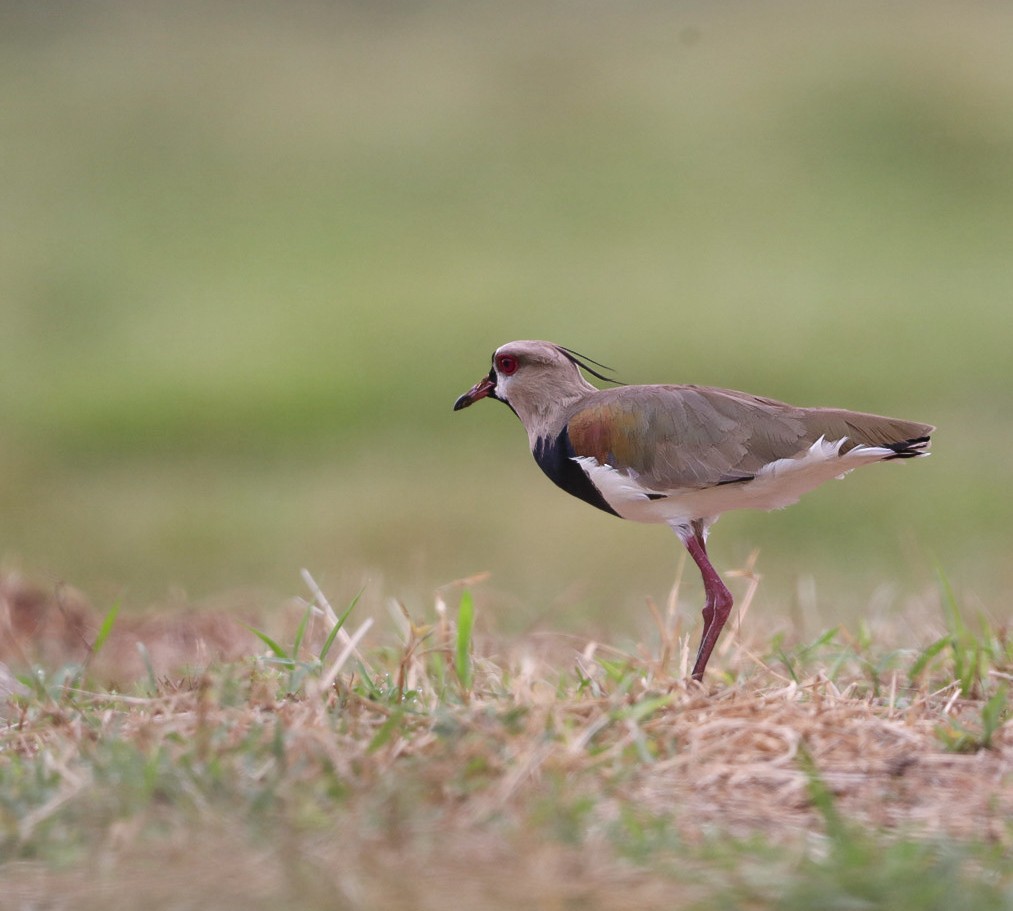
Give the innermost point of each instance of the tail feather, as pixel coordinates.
(908, 449)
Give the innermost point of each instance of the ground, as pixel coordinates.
(423, 764)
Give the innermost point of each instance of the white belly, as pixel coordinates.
(777, 484)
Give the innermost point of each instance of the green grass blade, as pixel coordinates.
(930, 652)
(966, 648)
(300, 632)
(642, 710)
(278, 651)
(106, 628)
(992, 716)
(329, 641)
(779, 652)
(951, 609)
(386, 732)
(822, 797)
(465, 624)
(825, 638)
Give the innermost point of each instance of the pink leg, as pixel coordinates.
(719, 599)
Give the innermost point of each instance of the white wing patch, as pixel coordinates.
(777, 484)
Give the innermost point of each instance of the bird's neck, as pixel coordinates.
(544, 416)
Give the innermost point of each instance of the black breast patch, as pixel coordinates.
(555, 458)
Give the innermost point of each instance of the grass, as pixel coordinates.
(426, 762)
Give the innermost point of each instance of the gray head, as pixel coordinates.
(538, 380)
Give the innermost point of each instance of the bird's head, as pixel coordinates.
(536, 379)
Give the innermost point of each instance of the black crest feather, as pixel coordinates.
(583, 361)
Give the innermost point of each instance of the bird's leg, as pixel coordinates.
(719, 599)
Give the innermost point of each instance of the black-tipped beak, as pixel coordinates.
(480, 390)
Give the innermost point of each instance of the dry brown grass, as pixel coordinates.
(560, 777)
(58, 626)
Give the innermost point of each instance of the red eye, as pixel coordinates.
(506, 364)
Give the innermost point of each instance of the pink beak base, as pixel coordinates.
(479, 391)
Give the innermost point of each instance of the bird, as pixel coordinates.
(681, 455)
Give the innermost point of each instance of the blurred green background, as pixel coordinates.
(251, 253)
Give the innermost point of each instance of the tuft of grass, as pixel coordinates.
(291, 659)
(972, 656)
(852, 866)
(557, 773)
(959, 737)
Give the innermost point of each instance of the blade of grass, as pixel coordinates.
(386, 731)
(344, 655)
(465, 624)
(642, 710)
(822, 797)
(966, 648)
(329, 641)
(105, 629)
(930, 652)
(300, 632)
(992, 713)
(278, 651)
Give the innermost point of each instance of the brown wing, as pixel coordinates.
(675, 437)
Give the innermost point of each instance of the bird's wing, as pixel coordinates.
(678, 437)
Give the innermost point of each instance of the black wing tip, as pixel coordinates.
(909, 449)
(741, 480)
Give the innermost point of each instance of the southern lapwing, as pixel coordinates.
(681, 455)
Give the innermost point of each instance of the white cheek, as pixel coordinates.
(503, 384)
